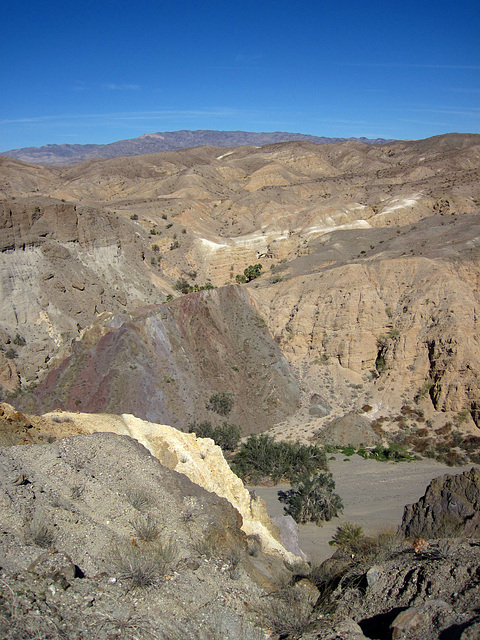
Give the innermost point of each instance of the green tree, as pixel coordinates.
(253, 271)
(311, 498)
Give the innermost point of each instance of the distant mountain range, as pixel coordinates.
(64, 154)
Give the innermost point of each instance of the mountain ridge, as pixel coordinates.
(157, 142)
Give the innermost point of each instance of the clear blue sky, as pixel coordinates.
(96, 72)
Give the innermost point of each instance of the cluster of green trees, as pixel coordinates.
(185, 287)
(261, 457)
(226, 435)
(311, 498)
(250, 273)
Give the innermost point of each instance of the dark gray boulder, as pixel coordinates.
(450, 506)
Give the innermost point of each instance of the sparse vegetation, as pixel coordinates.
(288, 612)
(146, 527)
(40, 532)
(424, 390)
(139, 498)
(185, 287)
(19, 341)
(143, 566)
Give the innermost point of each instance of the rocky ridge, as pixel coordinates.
(61, 154)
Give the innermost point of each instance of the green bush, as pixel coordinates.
(226, 435)
(221, 403)
(260, 456)
(346, 534)
(311, 498)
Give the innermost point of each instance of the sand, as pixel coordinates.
(373, 493)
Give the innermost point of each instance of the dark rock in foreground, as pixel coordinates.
(450, 507)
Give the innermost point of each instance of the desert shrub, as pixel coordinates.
(346, 534)
(424, 390)
(146, 527)
(227, 436)
(139, 498)
(261, 456)
(182, 285)
(349, 450)
(11, 353)
(19, 340)
(144, 566)
(288, 612)
(207, 545)
(134, 216)
(445, 430)
(219, 623)
(254, 544)
(40, 532)
(311, 498)
(394, 451)
(252, 271)
(76, 491)
(221, 403)
(201, 429)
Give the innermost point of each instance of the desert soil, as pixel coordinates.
(373, 493)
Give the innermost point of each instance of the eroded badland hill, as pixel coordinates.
(369, 293)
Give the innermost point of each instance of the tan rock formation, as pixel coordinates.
(200, 459)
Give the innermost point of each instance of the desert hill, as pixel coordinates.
(61, 154)
(369, 293)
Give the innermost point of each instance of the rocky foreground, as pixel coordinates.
(101, 539)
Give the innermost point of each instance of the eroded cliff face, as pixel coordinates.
(200, 459)
(389, 326)
(60, 266)
(163, 363)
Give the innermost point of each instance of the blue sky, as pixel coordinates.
(96, 72)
